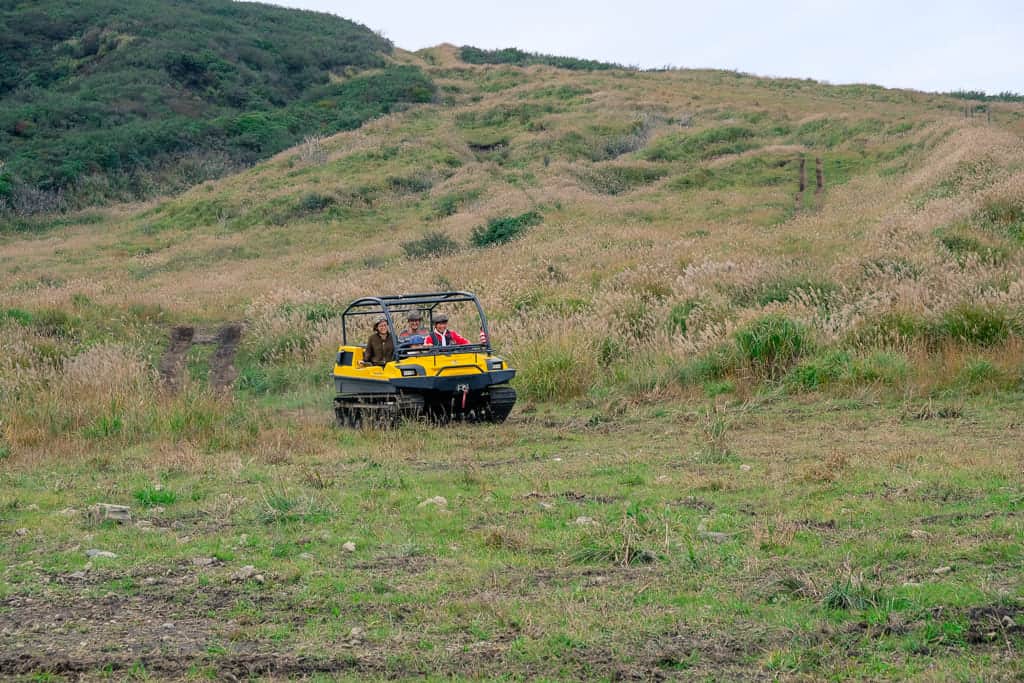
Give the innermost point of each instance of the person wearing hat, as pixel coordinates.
(380, 347)
(412, 335)
(441, 335)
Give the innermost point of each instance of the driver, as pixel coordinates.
(412, 334)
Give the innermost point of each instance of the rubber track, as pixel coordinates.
(502, 399)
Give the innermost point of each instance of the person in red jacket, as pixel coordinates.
(442, 336)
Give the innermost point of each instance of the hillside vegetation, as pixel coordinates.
(107, 101)
(789, 423)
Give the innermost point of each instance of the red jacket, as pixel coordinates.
(452, 338)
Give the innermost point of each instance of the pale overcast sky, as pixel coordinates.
(939, 45)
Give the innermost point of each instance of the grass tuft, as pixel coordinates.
(772, 344)
(155, 495)
(976, 325)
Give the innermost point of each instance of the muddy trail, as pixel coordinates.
(172, 365)
(222, 369)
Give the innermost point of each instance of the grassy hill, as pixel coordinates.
(105, 101)
(760, 435)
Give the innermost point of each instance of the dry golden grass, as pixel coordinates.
(598, 265)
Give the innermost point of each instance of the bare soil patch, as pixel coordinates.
(222, 369)
(172, 365)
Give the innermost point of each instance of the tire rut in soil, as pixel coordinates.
(172, 365)
(222, 369)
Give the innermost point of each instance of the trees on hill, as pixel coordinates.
(103, 100)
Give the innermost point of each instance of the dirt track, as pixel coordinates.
(222, 370)
(172, 365)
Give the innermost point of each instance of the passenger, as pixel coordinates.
(380, 347)
(412, 335)
(442, 336)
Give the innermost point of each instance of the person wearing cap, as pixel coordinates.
(442, 336)
(412, 335)
(380, 347)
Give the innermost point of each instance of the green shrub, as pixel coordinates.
(975, 324)
(505, 229)
(1005, 96)
(314, 203)
(615, 180)
(772, 344)
(431, 245)
(514, 56)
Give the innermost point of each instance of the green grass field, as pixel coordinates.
(775, 538)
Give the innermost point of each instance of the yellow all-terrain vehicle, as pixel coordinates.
(439, 383)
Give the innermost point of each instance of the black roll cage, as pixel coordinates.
(391, 305)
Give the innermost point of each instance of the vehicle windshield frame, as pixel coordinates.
(392, 307)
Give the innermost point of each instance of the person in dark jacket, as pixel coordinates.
(380, 347)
